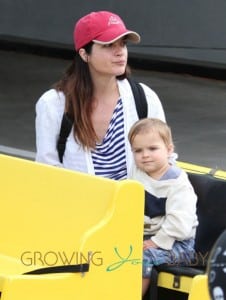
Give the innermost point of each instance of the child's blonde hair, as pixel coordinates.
(151, 124)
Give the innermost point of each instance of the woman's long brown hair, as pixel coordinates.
(77, 86)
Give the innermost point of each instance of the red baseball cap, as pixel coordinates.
(102, 27)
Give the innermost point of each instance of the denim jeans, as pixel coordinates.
(182, 253)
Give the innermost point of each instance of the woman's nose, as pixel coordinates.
(119, 47)
(119, 50)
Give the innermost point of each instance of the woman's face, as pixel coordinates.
(108, 59)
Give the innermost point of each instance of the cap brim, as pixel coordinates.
(132, 36)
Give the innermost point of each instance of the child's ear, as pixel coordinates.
(170, 149)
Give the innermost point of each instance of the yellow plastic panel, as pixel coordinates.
(192, 168)
(199, 288)
(166, 280)
(196, 287)
(54, 216)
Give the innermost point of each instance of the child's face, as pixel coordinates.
(151, 153)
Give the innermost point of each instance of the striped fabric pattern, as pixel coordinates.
(109, 157)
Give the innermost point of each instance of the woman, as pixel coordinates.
(96, 94)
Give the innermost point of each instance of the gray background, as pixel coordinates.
(190, 31)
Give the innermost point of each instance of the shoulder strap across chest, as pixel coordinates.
(67, 123)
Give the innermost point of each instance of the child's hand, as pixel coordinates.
(149, 244)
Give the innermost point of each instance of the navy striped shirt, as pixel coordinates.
(109, 157)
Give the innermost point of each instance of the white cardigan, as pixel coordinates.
(49, 112)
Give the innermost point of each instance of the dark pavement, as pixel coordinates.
(195, 107)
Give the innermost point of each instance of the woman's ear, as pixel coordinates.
(83, 54)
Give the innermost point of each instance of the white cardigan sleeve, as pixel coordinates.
(49, 111)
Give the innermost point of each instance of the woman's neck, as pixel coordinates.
(104, 102)
(105, 90)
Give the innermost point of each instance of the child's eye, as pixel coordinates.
(153, 148)
(137, 150)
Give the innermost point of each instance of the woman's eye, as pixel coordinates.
(123, 43)
(108, 45)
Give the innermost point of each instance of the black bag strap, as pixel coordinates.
(65, 129)
(81, 268)
(67, 122)
(140, 98)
